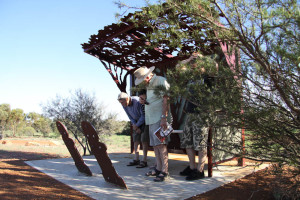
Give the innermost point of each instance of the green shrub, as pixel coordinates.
(38, 134)
(27, 131)
(7, 133)
(124, 128)
(54, 135)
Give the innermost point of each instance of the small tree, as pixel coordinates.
(39, 123)
(265, 35)
(15, 118)
(4, 117)
(80, 106)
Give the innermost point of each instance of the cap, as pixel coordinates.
(123, 95)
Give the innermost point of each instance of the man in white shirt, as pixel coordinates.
(156, 114)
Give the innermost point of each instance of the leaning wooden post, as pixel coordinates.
(241, 160)
(209, 152)
(79, 162)
(99, 150)
(131, 139)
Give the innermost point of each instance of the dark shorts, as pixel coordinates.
(143, 136)
(194, 134)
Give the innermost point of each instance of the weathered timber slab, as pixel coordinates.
(99, 150)
(79, 162)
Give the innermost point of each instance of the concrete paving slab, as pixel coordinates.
(139, 185)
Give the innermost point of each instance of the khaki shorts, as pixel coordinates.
(154, 141)
(143, 136)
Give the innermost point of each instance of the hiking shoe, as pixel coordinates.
(195, 175)
(186, 171)
(134, 162)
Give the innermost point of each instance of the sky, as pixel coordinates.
(41, 54)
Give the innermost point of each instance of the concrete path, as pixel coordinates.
(139, 185)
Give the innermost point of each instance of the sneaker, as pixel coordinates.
(186, 171)
(195, 175)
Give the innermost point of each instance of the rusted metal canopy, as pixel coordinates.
(124, 45)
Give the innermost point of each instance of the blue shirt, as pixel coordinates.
(135, 111)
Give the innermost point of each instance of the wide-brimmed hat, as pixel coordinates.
(142, 73)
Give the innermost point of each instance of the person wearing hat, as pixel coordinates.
(136, 113)
(156, 116)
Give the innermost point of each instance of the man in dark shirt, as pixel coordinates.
(195, 132)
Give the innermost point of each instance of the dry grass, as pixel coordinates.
(115, 143)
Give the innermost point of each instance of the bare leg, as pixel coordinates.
(145, 151)
(164, 157)
(192, 156)
(157, 158)
(137, 150)
(202, 158)
(198, 173)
